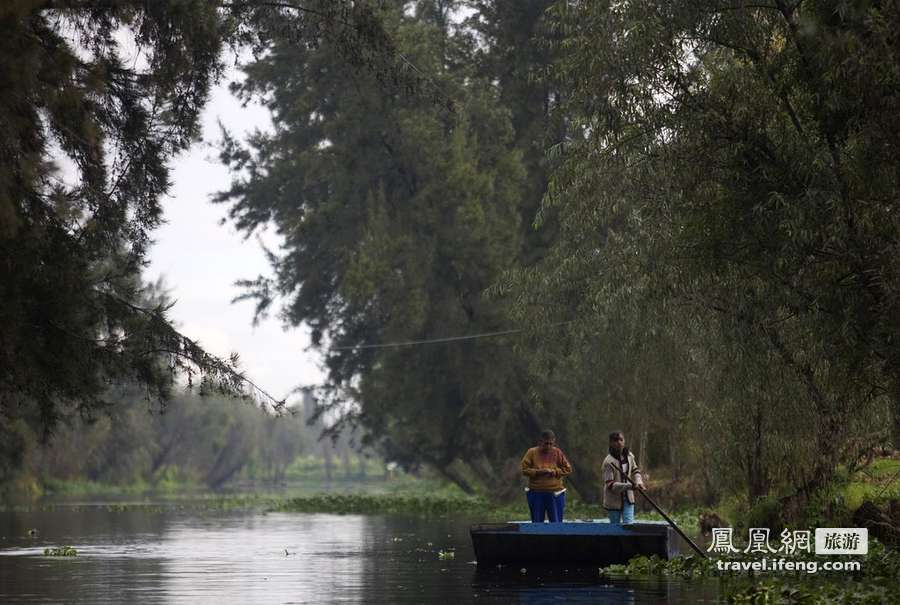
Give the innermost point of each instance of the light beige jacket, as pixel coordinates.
(615, 488)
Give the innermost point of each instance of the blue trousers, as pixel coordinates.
(545, 503)
(624, 516)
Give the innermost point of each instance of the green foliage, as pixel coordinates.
(827, 507)
(97, 101)
(88, 134)
(397, 217)
(765, 512)
(881, 561)
(197, 443)
(834, 504)
(879, 481)
(724, 198)
(716, 252)
(422, 504)
(421, 499)
(687, 519)
(874, 584)
(689, 566)
(789, 593)
(310, 471)
(60, 551)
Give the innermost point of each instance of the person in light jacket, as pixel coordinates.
(618, 492)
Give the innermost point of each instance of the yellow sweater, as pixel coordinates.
(554, 461)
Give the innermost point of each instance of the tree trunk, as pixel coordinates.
(345, 461)
(756, 474)
(643, 459)
(162, 456)
(454, 477)
(230, 459)
(673, 458)
(327, 459)
(362, 465)
(895, 415)
(586, 483)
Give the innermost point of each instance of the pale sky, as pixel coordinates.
(200, 260)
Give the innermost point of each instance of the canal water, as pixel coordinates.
(173, 555)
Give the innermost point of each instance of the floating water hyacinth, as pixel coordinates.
(61, 551)
(443, 555)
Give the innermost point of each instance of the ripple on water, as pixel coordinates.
(230, 557)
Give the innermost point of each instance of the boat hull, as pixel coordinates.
(576, 543)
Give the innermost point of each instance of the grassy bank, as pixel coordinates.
(264, 496)
(427, 504)
(425, 498)
(833, 505)
(402, 494)
(878, 482)
(306, 476)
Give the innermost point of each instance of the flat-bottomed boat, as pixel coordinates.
(573, 542)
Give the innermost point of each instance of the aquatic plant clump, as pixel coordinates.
(426, 505)
(824, 593)
(689, 566)
(384, 504)
(874, 583)
(60, 551)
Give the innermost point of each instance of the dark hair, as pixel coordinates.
(548, 436)
(616, 435)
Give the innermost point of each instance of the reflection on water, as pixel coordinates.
(170, 556)
(539, 586)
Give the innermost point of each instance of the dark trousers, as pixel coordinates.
(543, 504)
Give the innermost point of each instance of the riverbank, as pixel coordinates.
(429, 496)
(419, 497)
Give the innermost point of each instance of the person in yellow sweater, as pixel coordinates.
(545, 466)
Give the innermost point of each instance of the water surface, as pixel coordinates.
(170, 555)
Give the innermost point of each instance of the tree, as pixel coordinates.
(73, 240)
(734, 167)
(89, 129)
(396, 216)
(515, 52)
